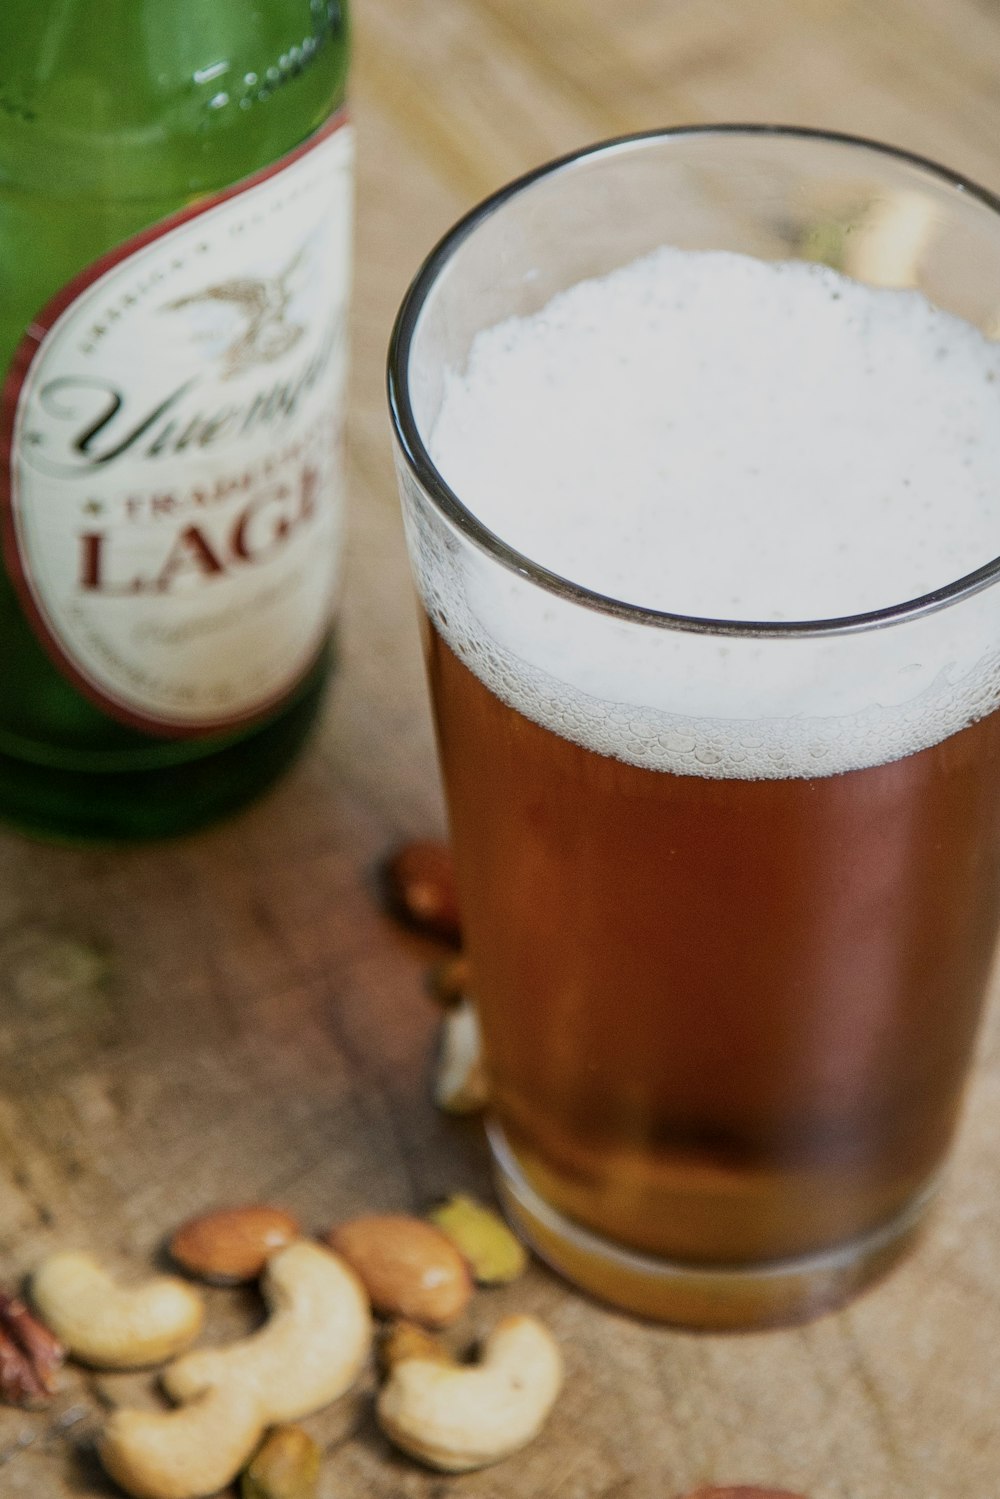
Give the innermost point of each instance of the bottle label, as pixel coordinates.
(174, 426)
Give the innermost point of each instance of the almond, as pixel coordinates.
(232, 1244)
(419, 882)
(409, 1268)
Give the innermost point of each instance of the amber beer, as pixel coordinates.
(706, 537)
(749, 1040)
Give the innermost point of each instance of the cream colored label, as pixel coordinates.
(176, 476)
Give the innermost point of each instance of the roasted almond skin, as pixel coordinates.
(232, 1244)
(409, 1268)
(419, 886)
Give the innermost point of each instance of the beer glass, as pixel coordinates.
(729, 926)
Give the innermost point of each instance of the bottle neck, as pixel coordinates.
(163, 99)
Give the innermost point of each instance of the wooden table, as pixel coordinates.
(231, 1017)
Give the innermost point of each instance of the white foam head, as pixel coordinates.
(713, 435)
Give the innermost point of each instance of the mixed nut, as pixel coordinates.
(419, 885)
(30, 1355)
(235, 1406)
(483, 1240)
(418, 881)
(232, 1245)
(456, 1418)
(408, 1267)
(112, 1327)
(285, 1467)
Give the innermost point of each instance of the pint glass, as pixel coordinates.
(729, 887)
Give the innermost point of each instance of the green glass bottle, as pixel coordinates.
(174, 260)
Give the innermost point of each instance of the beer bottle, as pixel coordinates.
(174, 256)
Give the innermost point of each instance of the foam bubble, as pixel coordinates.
(709, 434)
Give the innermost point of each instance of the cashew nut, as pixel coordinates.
(186, 1453)
(460, 1085)
(111, 1326)
(456, 1418)
(309, 1352)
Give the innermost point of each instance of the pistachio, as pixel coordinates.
(285, 1467)
(494, 1255)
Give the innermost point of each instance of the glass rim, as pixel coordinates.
(448, 503)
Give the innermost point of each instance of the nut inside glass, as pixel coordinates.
(723, 1087)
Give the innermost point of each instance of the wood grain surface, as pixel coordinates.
(231, 1017)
